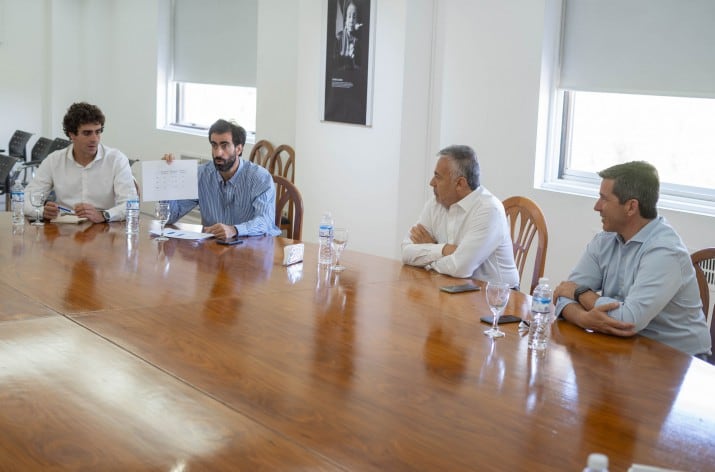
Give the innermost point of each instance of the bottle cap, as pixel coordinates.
(543, 280)
(598, 461)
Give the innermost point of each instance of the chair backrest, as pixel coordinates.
(289, 205)
(283, 162)
(41, 150)
(59, 143)
(17, 147)
(704, 264)
(526, 220)
(261, 153)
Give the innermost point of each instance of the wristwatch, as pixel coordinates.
(106, 216)
(580, 290)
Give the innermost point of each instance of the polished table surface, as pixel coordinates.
(132, 354)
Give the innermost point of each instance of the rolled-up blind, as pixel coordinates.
(661, 47)
(215, 41)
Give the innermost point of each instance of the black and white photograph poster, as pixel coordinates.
(348, 75)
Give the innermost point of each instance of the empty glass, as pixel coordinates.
(340, 239)
(161, 211)
(37, 198)
(497, 298)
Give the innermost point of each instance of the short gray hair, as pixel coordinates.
(466, 162)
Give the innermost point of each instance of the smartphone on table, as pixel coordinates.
(229, 242)
(460, 288)
(503, 319)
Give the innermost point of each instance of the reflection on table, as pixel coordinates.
(125, 353)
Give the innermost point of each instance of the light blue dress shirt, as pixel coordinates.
(653, 278)
(247, 200)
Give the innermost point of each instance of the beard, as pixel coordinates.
(224, 166)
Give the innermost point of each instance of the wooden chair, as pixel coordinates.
(704, 264)
(261, 153)
(283, 162)
(526, 220)
(289, 205)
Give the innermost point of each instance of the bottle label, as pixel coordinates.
(540, 304)
(325, 231)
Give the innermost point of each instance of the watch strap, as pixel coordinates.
(580, 290)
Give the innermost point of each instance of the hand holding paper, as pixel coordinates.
(170, 179)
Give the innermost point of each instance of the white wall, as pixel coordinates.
(458, 71)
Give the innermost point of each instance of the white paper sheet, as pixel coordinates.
(180, 234)
(175, 181)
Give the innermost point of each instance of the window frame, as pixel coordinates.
(552, 172)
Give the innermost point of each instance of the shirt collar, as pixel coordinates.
(645, 232)
(69, 154)
(234, 177)
(468, 202)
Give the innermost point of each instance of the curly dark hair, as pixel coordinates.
(81, 113)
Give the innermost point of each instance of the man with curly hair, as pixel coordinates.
(93, 180)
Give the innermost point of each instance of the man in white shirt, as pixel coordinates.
(463, 231)
(88, 178)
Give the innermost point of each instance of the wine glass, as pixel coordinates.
(161, 211)
(340, 239)
(37, 198)
(497, 297)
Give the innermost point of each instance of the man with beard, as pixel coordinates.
(87, 177)
(236, 197)
(462, 231)
(636, 276)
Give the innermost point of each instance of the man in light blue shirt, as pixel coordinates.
(636, 276)
(236, 197)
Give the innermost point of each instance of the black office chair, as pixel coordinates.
(9, 170)
(58, 144)
(17, 149)
(39, 152)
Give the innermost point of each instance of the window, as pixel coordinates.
(672, 133)
(631, 80)
(210, 70)
(199, 105)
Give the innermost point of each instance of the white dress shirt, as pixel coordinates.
(105, 183)
(477, 225)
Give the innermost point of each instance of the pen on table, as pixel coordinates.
(66, 210)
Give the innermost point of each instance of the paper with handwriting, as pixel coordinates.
(175, 181)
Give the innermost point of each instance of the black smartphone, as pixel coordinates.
(229, 242)
(504, 319)
(460, 288)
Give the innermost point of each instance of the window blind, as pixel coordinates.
(215, 42)
(660, 47)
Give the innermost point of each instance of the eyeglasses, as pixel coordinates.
(89, 132)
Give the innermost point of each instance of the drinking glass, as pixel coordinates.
(161, 211)
(497, 297)
(340, 239)
(37, 198)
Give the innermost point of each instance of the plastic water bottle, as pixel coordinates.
(17, 194)
(325, 239)
(596, 463)
(540, 325)
(132, 215)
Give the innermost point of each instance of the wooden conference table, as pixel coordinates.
(120, 354)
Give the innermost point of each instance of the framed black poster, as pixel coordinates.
(348, 61)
